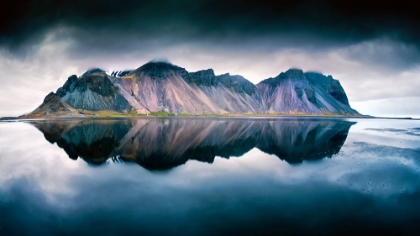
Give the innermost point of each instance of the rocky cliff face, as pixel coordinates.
(294, 92)
(228, 93)
(329, 85)
(93, 91)
(161, 86)
(158, 86)
(52, 106)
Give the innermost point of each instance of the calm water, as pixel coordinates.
(217, 176)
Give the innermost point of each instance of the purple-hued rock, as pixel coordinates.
(161, 86)
(295, 92)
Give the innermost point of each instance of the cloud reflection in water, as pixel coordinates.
(364, 188)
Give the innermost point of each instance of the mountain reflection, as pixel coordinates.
(158, 144)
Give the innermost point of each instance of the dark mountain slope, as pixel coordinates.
(294, 92)
(93, 91)
(329, 85)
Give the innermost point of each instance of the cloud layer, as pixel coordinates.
(372, 47)
(312, 23)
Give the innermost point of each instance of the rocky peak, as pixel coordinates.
(68, 86)
(93, 71)
(329, 84)
(292, 73)
(237, 83)
(160, 70)
(204, 73)
(202, 77)
(98, 83)
(50, 97)
(53, 106)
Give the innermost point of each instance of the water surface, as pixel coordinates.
(206, 176)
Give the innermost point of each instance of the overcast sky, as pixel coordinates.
(371, 47)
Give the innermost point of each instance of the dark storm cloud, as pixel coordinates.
(115, 25)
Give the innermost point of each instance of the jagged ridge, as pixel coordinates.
(294, 91)
(93, 91)
(161, 86)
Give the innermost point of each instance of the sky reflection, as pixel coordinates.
(365, 187)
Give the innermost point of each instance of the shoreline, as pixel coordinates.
(229, 116)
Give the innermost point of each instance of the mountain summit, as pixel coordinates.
(164, 87)
(297, 92)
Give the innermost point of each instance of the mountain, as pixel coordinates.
(229, 93)
(160, 86)
(164, 87)
(93, 91)
(53, 106)
(295, 92)
(158, 144)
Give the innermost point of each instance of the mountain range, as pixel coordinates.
(164, 87)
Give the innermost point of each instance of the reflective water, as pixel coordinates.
(196, 176)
